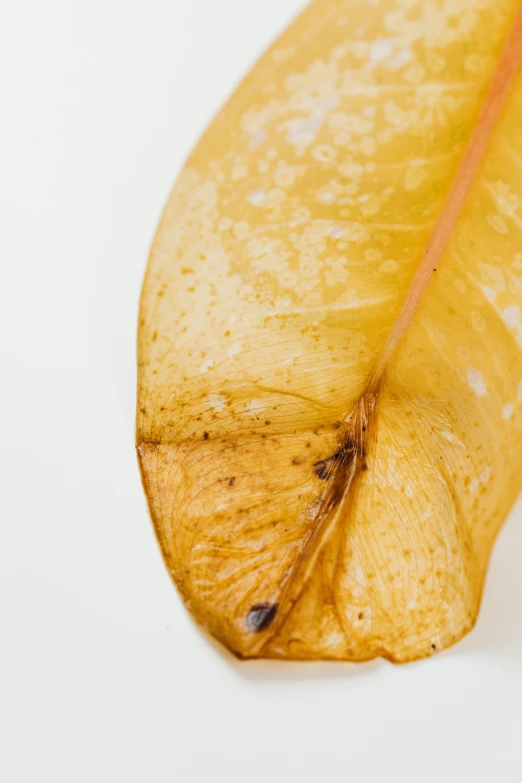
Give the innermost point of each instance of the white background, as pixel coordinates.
(103, 677)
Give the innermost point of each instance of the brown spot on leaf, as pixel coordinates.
(326, 468)
(261, 616)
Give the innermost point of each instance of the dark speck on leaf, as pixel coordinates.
(327, 468)
(322, 469)
(261, 616)
(205, 435)
(231, 482)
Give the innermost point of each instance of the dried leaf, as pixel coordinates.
(330, 343)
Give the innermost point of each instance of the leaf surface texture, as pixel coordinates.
(319, 491)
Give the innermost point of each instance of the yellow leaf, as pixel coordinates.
(329, 429)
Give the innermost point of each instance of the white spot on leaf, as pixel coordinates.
(399, 60)
(449, 437)
(336, 232)
(488, 293)
(507, 411)
(476, 382)
(415, 176)
(254, 407)
(304, 131)
(217, 402)
(207, 365)
(485, 475)
(257, 139)
(473, 485)
(256, 198)
(380, 50)
(327, 198)
(511, 315)
(497, 222)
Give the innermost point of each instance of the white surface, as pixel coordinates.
(102, 675)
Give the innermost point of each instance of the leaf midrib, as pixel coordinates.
(466, 174)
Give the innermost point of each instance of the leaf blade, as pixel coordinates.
(245, 405)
